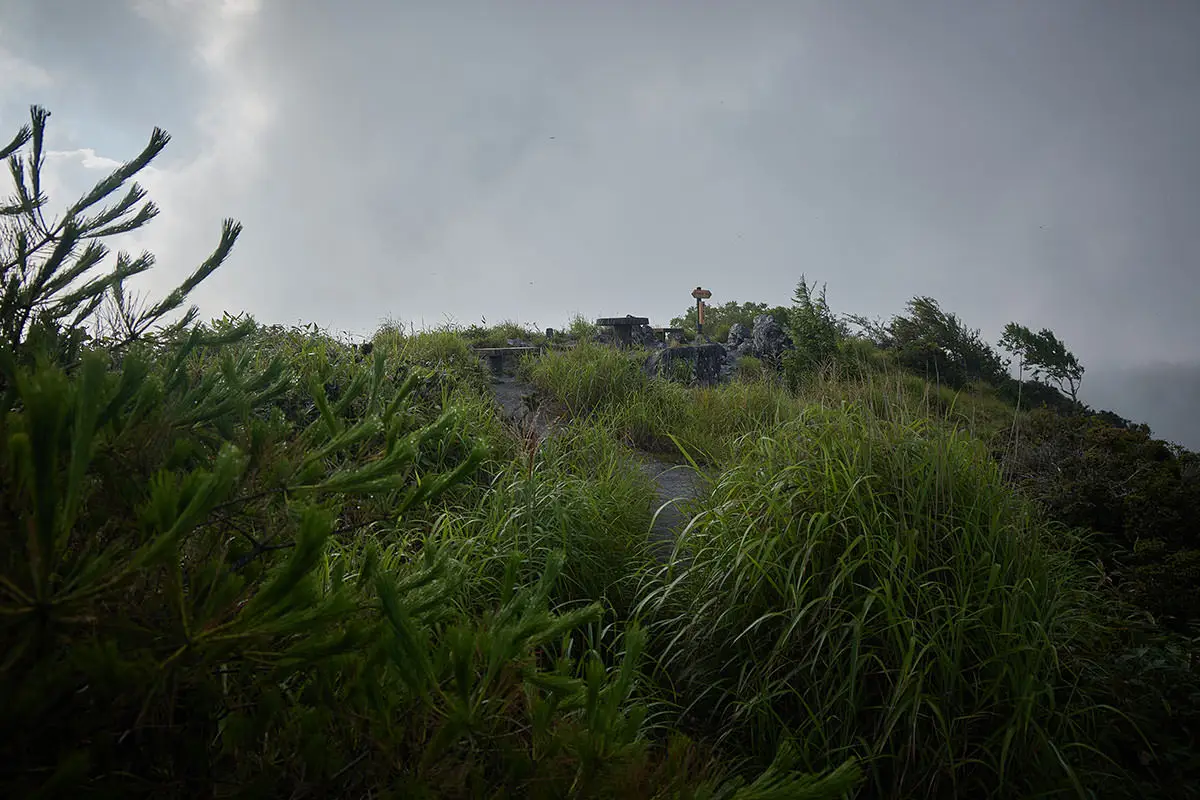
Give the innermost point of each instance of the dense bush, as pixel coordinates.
(1140, 494)
(1140, 499)
(815, 333)
(174, 561)
(504, 334)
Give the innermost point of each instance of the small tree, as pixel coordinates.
(1047, 355)
(814, 330)
(49, 286)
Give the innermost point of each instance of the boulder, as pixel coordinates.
(737, 335)
(644, 336)
(769, 339)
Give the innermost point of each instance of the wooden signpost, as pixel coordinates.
(701, 295)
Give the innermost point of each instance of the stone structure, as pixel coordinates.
(740, 341)
(703, 363)
(500, 360)
(629, 330)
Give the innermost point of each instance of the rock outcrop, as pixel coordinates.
(767, 341)
(644, 336)
(770, 339)
(740, 342)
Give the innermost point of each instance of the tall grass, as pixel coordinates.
(441, 348)
(575, 493)
(228, 582)
(595, 381)
(590, 377)
(893, 394)
(860, 583)
(871, 588)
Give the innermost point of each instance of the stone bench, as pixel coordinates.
(623, 327)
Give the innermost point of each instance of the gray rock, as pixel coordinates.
(728, 367)
(737, 335)
(770, 340)
(739, 343)
(644, 336)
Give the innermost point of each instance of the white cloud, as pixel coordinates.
(86, 156)
(20, 75)
(231, 123)
(231, 118)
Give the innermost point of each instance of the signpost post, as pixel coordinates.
(701, 295)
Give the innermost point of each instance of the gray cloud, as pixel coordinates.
(1029, 161)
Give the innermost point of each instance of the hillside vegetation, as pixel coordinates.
(248, 560)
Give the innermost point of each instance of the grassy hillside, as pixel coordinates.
(259, 559)
(239, 560)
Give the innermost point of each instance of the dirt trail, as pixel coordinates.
(674, 484)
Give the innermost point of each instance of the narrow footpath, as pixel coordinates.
(674, 484)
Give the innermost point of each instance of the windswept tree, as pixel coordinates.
(940, 344)
(1046, 355)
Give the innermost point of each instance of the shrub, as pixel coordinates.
(156, 497)
(1139, 493)
(502, 335)
(815, 332)
(750, 369)
(581, 329)
(589, 377)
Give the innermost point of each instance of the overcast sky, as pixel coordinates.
(1034, 161)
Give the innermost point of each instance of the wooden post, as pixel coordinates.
(701, 295)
